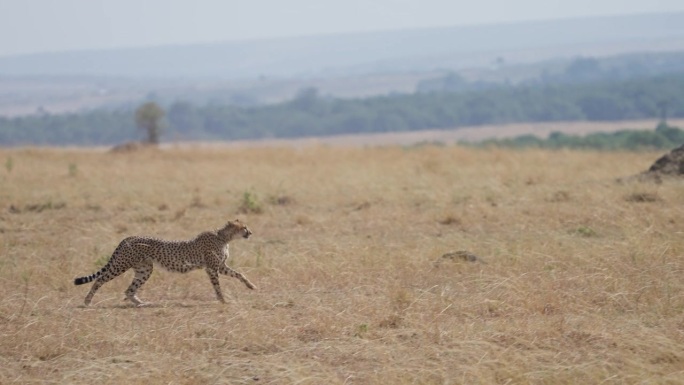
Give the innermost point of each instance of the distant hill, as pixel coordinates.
(361, 53)
(310, 114)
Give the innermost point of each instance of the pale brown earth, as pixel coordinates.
(451, 136)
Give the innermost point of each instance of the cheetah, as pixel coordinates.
(208, 250)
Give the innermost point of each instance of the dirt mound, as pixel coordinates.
(456, 256)
(668, 165)
(671, 163)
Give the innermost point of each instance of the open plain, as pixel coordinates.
(578, 279)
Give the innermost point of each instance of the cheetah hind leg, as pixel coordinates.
(101, 280)
(142, 274)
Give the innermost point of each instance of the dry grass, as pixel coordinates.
(582, 282)
(447, 136)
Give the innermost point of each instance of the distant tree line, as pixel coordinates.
(310, 114)
(664, 137)
(578, 71)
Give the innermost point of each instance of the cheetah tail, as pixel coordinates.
(87, 278)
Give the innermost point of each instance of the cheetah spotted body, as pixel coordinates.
(208, 250)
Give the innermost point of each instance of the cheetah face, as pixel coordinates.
(238, 229)
(245, 232)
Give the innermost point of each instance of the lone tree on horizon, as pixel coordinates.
(148, 117)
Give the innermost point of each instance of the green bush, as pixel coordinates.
(664, 137)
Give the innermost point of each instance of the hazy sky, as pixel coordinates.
(28, 26)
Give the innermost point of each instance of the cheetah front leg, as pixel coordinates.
(213, 277)
(225, 270)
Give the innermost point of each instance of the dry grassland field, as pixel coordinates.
(578, 279)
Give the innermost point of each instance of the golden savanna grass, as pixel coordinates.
(582, 280)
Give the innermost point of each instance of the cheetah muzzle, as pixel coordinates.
(208, 251)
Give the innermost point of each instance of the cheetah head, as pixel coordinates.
(235, 229)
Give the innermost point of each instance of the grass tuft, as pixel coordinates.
(250, 204)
